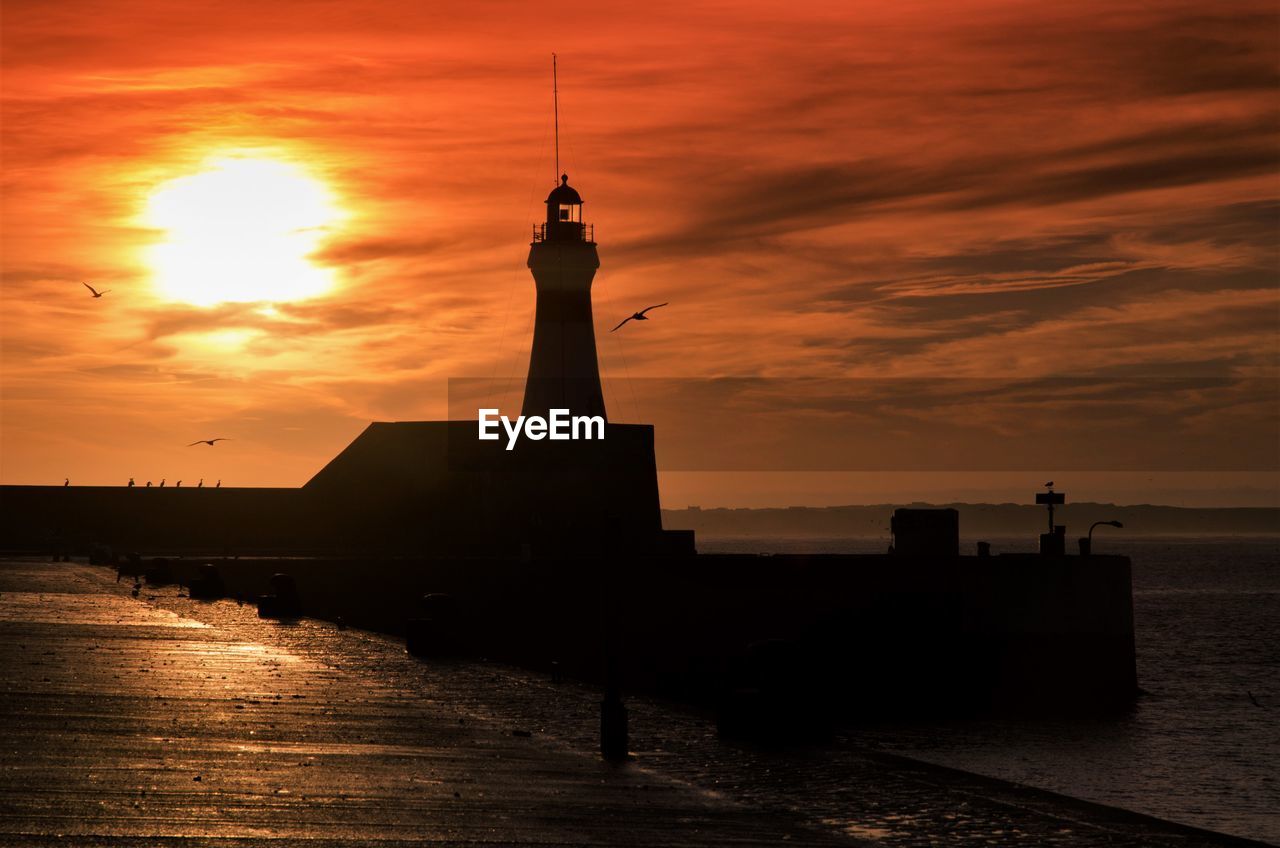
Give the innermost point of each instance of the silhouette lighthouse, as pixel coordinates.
(563, 370)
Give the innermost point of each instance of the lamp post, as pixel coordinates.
(1086, 544)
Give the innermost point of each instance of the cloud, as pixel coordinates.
(859, 190)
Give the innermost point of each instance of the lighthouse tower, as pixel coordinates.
(563, 370)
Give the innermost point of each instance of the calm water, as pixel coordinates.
(1196, 749)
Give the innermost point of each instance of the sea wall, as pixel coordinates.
(865, 635)
(416, 487)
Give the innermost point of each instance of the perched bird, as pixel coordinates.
(219, 485)
(162, 479)
(200, 485)
(131, 483)
(208, 442)
(66, 481)
(639, 316)
(178, 485)
(96, 293)
(1049, 485)
(148, 484)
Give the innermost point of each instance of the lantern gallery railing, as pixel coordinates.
(566, 231)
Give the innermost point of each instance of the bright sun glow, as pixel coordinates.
(241, 231)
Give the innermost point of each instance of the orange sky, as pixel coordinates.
(1005, 231)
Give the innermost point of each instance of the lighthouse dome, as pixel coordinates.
(564, 194)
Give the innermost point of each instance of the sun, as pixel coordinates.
(241, 230)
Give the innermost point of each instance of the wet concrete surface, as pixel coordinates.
(160, 720)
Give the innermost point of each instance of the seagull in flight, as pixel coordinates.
(639, 316)
(96, 293)
(208, 442)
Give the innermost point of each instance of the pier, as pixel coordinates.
(163, 720)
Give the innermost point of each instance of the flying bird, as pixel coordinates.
(208, 442)
(96, 293)
(639, 316)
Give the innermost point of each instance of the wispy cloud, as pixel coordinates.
(1065, 191)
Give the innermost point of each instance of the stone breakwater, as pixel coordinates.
(134, 720)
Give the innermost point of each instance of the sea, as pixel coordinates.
(1201, 746)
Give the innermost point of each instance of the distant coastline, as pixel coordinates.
(976, 520)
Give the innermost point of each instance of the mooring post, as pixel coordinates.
(614, 740)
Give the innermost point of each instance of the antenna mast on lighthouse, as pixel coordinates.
(555, 100)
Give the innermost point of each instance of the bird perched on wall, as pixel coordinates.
(1049, 485)
(208, 442)
(639, 316)
(95, 292)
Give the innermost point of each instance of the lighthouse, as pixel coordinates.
(563, 370)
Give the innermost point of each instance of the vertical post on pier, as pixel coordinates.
(614, 736)
(1053, 542)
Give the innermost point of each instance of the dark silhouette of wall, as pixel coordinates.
(72, 519)
(406, 487)
(976, 520)
(864, 635)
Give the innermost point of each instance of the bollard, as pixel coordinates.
(207, 584)
(436, 632)
(283, 601)
(614, 738)
(160, 572)
(613, 728)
